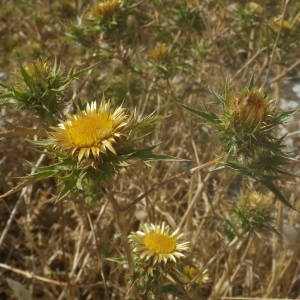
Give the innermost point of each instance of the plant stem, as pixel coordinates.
(120, 226)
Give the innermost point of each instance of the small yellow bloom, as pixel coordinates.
(38, 68)
(158, 52)
(106, 8)
(156, 244)
(90, 132)
(191, 272)
(192, 3)
(278, 22)
(257, 200)
(251, 108)
(255, 7)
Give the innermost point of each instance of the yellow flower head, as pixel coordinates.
(158, 52)
(191, 272)
(104, 8)
(37, 68)
(278, 23)
(257, 200)
(156, 244)
(90, 132)
(255, 7)
(251, 108)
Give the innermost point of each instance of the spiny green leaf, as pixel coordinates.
(79, 182)
(147, 155)
(44, 174)
(271, 186)
(27, 79)
(206, 115)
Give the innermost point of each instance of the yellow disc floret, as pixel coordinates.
(90, 132)
(156, 244)
(160, 243)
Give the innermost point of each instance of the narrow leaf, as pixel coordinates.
(271, 186)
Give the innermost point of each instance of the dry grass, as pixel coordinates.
(58, 249)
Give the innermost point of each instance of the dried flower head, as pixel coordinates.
(191, 271)
(39, 67)
(156, 244)
(250, 108)
(258, 200)
(90, 132)
(106, 8)
(158, 52)
(40, 72)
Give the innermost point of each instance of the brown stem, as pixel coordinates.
(30, 275)
(120, 225)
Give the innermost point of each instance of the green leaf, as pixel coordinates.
(209, 116)
(79, 182)
(271, 186)
(147, 155)
(27, 79)
(44, 174)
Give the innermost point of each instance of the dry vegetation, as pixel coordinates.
(153, 55)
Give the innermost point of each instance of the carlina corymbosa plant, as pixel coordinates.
(156, 244)
(251, 212)
(246, 124)
(39, 87)
(92, 144)
(90, 147)
(157, 252)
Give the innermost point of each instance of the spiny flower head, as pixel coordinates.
(158, 52)
(39, 67)
(41, 73)
(278, 23)
(192, 271)
(156, 244)
(250, 108)
(90, 132)
(258, 200)
(106, 8)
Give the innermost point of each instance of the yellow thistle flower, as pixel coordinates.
(192, 3)
(277, 23)
(90, 132)
(104, 9)
(158, 52)
(255, 7)
(257, 200)
(156, 244)
(38, 68)
(191, 272)
(251, 108)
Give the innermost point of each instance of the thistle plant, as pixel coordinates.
(86, 144)
(157, 254)
(92, 145)
(155, 243)
(246, 124)
(107, 19)
(251, 213)
(39, 88)
(104, 9)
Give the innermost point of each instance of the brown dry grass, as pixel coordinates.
(59, 250)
